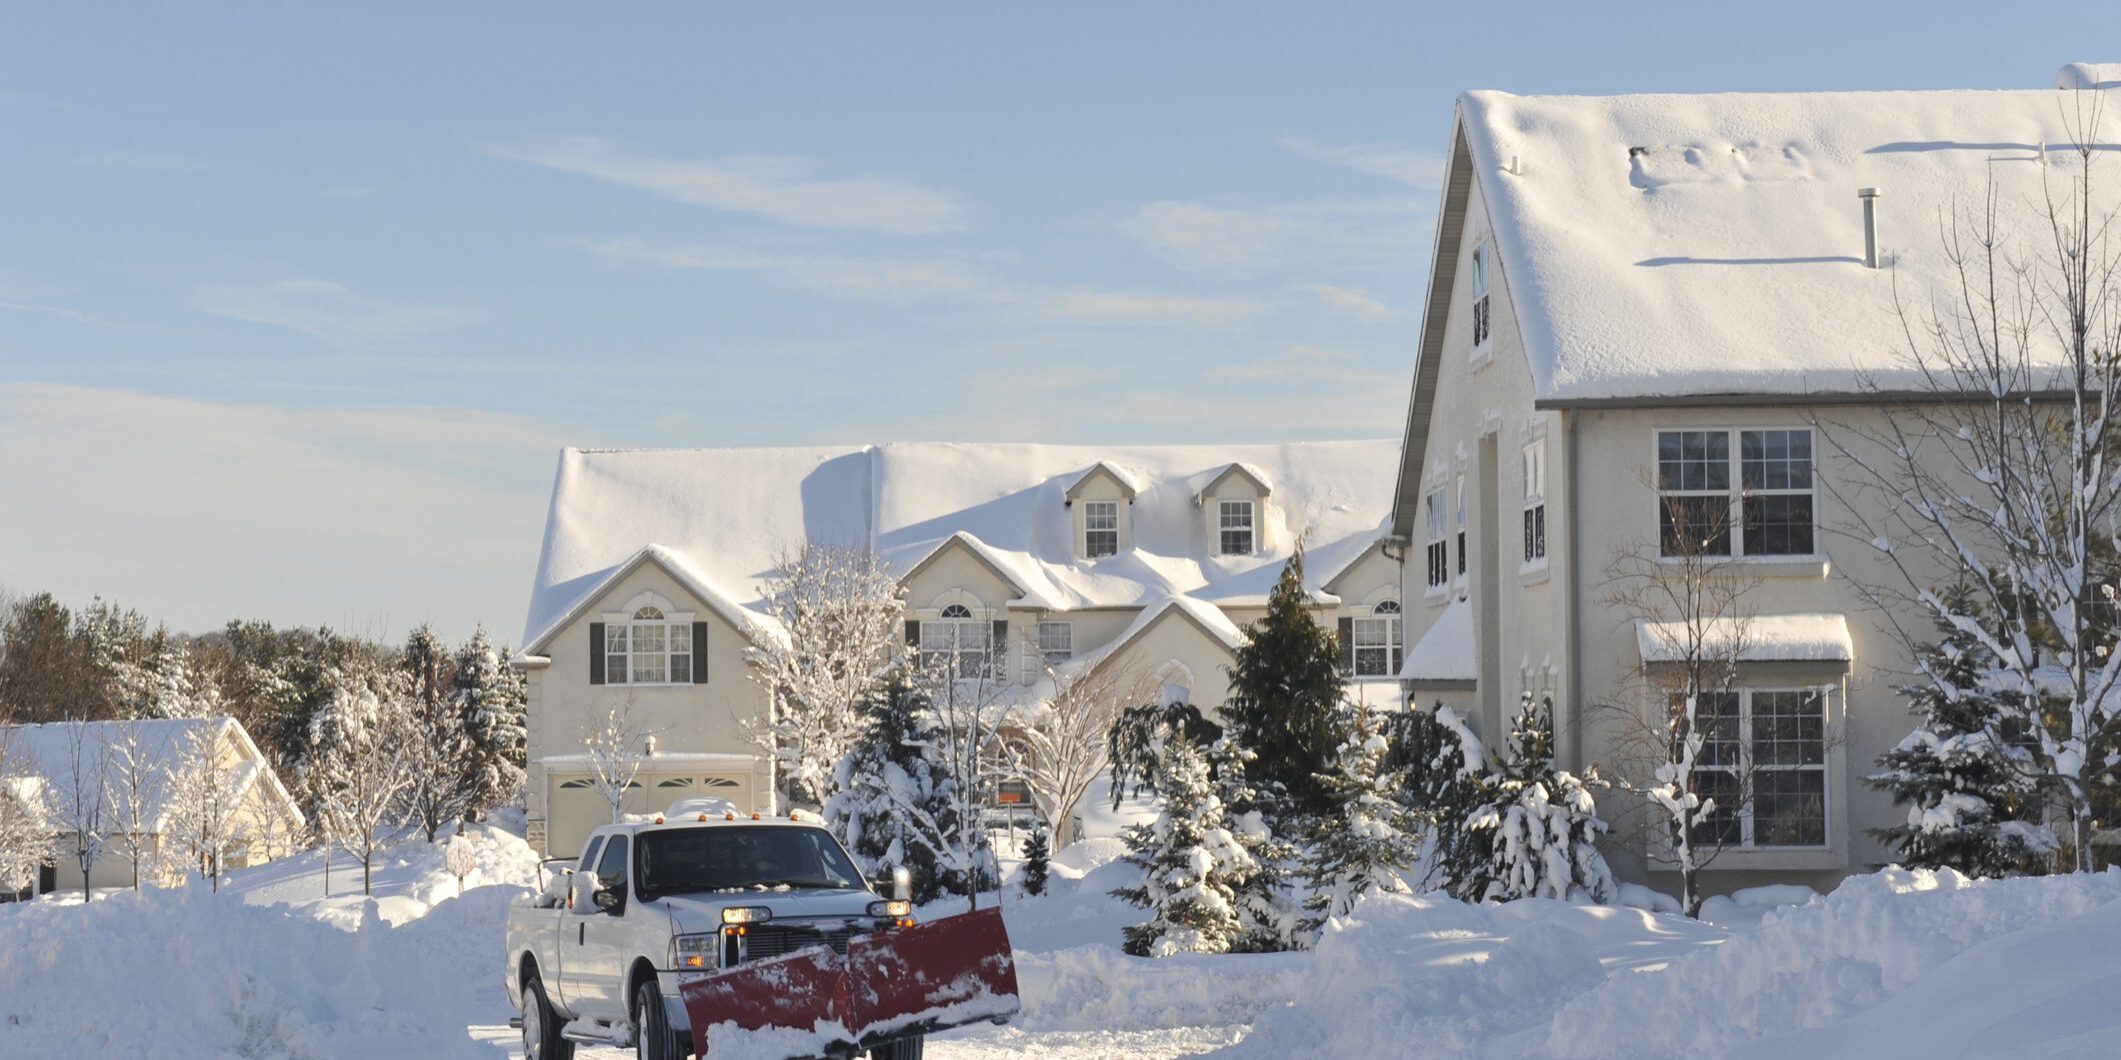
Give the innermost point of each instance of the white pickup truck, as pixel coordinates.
(600, 955)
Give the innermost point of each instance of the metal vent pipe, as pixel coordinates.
(1870, 226)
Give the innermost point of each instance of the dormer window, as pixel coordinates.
(1100, 528)
(1480, 293)
(1235, 538)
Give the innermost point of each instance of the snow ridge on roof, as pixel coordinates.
(725, 516)
(1668, 245)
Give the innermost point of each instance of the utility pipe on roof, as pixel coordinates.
(1870, 226)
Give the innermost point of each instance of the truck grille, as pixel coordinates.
(774, 939)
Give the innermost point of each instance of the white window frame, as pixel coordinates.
(1095, 512)
(1458, 565)
(1437, 556)
(1480, 276)
(626, 664)
(1056, 641)
(1534, 468)
(1735, 490)
(960, 633)
(1376, 635)
(1224, 527)
(1748, 768)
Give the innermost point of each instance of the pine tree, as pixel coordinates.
(1541, 825)
(440, 748)
(1037, 860)
(490, 702)
(1371, 842)
(1286, 691)
(1267, 918)
(1440, 763)
(895, 806)
(1192, 861)
(1966, 783)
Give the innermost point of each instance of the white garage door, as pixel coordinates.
(575, 806)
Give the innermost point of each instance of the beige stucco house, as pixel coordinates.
(652, 575)
(265, 821)
(1644, 309)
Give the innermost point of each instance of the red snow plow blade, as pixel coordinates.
(890, 985)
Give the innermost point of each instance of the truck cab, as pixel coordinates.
(600, 954)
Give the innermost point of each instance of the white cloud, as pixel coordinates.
(328, 310)
(146, 161)
(1350, 301)
(785, 189)
(1391, 161)
(913, 279)
(1361, 234)
(199, 511)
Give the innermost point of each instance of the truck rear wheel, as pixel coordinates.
(653, 1038)
(903, 1049)
(541, 1025)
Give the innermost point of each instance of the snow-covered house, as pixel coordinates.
(262, 815)
(1157, 556)
(1641, 307)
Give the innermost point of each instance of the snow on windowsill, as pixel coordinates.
(1534, 573)
(1812, 566)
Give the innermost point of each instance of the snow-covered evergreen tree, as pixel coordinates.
(1193, 864)
(490, 700)
(1968, 785)
(1268, 916)
(1439, 763)
(438, 749)
(168, 684)
(896, 805)
(1541, 824)
(1287, 687)
(358, 765)
(840, 608)
(1372, 840)
(1038, 860)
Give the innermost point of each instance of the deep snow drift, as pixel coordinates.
(1893, 963)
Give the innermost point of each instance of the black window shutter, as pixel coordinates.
(1347, 644)
(913, 632)
(1397, 662)
(596, 653)
(699, 653)
(1001, 646)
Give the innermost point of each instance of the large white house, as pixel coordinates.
(1642, 305)
(652, 575)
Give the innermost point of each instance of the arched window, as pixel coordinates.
(648, 650)
(960, 639)
(1377, 641)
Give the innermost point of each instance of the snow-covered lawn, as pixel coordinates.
(1893, 963)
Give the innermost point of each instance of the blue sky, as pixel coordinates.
(297, 303)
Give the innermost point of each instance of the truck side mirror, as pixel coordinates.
(582, 890)
(901, 883)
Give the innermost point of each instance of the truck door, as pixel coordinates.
(573, 924)
(600, 940)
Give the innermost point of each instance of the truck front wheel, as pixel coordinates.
(653, 1037)
(541, 1025)
(903, 1049)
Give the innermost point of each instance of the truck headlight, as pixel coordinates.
(693, 951)
(746, 914)
(891, 909)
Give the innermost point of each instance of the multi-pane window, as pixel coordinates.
(1377, 640)
(1763, 759)
(1480, 295)
(1439, 554)
(648, 650)
(962, 640)
(1535, 502)
(1765, 479)
(1100, 528)
(1236, 528)
(1461, 490)
(1056, 641)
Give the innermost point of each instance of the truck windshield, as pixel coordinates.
(738, 858)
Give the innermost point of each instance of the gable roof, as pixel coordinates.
(1129, 482)
(1210, 621)
(48, 748)
(1260, 483)
(723, 516)
(756, 627)
(1684, 245)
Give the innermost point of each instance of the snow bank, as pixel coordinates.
(186, 973)
(1811, 966)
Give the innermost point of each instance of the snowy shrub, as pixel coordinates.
(1438, 763)
(1038, 862)
(1540, 825)
(1371, 843)
(896, 805)
(1193, 863)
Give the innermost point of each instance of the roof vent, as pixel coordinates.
(1870, 226)
(2089, 75)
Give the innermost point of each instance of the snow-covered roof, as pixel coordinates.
(1445, 652)
(1676, 245)
(1761, 638)
(725, 515)
(48, 748)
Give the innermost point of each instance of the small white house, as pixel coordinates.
(265, 818)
